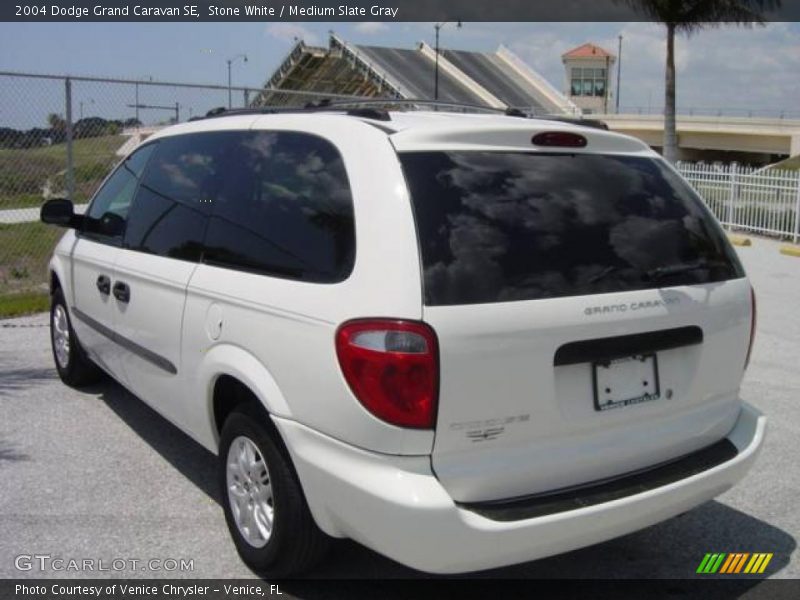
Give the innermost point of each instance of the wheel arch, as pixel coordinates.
(59, 266)
(234, 376)
(241, 383)
(57, 276)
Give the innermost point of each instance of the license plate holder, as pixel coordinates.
(625, 381)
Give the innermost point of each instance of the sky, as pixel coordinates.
(728, 67)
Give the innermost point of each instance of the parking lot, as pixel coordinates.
(96, 474)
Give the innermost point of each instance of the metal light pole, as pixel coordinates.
(80, 106)
(136, 95)
(438, 27)
(619, 69)
(230, 61)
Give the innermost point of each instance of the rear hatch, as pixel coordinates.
(592, 318)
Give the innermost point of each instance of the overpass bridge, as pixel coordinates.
(502, 80)
(755, 140)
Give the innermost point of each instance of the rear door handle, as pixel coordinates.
(122, 292)
(104, 284)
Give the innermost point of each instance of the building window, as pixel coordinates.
(588, 82)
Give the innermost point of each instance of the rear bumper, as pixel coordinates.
(396, 506)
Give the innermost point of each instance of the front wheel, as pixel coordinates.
(265, 508)
(73, 366)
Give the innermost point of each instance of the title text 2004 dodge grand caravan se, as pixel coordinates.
(461, 340)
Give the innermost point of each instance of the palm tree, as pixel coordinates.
(689, 16)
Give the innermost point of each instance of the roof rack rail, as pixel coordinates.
(366, 108)
(378, 109)
(516, 112)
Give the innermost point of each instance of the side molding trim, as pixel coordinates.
(140, 351)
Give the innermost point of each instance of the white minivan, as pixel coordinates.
(462, 340)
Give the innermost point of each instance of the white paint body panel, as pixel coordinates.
(153, 319)
(89, 260)
(497, 363)
(397, 507)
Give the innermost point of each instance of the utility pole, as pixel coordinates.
(619, 69)
(230, 61)
(136, 94)
(606, 86)
(80, 104)
(229, 83)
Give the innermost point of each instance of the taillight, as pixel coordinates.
(753, 319)
(564, 139)
(392, 368)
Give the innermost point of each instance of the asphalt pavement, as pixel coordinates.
(96, 474)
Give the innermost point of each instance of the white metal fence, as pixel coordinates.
(763, 201)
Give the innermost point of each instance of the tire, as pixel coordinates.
(73, 366)
(293, 543)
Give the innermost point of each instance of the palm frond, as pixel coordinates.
(689, 15)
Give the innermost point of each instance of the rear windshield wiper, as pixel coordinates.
(610, 270)
(666, 271)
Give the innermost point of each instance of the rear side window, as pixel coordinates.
(283, 208)
(502, 226)
(174, 199)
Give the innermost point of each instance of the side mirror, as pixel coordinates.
(110, 224)
(58, 211)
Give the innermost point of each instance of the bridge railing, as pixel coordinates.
(765, 201)
(710, 111)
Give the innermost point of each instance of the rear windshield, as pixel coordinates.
(504, 226)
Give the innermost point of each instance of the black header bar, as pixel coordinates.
(336, 10)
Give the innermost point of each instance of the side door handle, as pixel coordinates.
(104, 284)
(122, 292)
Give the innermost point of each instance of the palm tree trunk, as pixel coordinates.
(670, 136)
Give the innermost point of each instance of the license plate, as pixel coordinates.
(625, 381)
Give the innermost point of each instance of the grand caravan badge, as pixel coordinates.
(624, 307)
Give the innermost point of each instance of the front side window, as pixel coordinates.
(171, 209)
(112, 202)
(506, 226)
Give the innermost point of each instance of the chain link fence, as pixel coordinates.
(60, 136)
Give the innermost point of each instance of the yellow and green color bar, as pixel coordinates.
(734, 562)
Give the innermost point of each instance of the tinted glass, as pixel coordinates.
(170, 212)
(497, 227)
(284, 208)
(116, 195)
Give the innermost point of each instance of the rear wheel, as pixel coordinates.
(265, 508)
(73, 366)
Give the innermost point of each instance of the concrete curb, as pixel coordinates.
(739, 240)
(790, 250)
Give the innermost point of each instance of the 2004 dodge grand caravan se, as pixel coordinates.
(462, 340)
